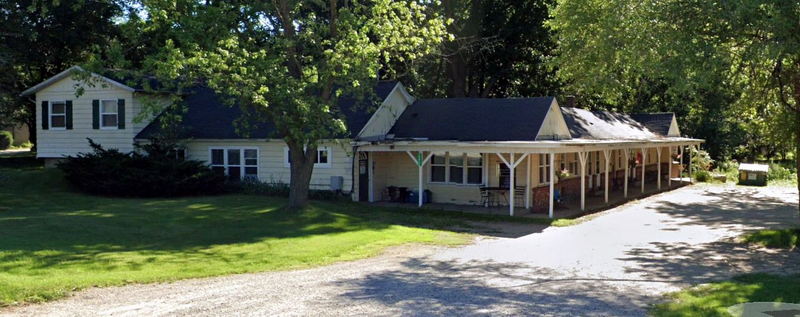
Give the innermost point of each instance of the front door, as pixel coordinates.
(363, 176)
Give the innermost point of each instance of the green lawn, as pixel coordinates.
(55, 241)
(714, 299)
(775, 238)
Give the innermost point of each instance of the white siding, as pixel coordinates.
(271, 161)
(553, 124)
(59, 143)
(386, 115)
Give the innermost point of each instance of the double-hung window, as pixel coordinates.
(236, 163)
(544, 168)
(322, 159)
(109, 114)
(457, 168)
(58, 115)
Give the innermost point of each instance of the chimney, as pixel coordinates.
(570, 102)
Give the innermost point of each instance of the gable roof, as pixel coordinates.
(473, 119)
(207, 117)
(656, 122)
(604, 125)
(69, 72)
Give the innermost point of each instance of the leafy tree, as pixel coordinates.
(749, 49)
(42, 38)
(288, 62)
(498, 49)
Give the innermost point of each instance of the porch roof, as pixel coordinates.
(558, 146)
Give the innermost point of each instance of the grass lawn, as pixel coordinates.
(55, 240)
(714, 299)
(772, 238)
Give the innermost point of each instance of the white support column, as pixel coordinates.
(606, 155)
(669, 167)
(644, 166)
(691, 158)
(582, 159)
(528, 184)
(658, 161)
(420, 162)
(371, 188)
(552, 183)
(512, 172)
(512, 164)
(627, 153)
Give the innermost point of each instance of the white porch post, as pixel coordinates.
(582, 159)
(680, 170)
(512, 164)
(420, 161)
(658, 161)
(691, 157)
(511, 186)
(606, 154)
(669, 167)
(627, 153)
(644, 166)
(371, 190)
(528, 184)
(552, 183)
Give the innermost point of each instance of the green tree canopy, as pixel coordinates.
(744, 50)
(288, 62)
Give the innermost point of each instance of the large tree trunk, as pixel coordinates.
(302, 165)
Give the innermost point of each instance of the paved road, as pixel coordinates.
(616, 264)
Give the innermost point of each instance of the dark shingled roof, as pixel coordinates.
(656, 122)
(603, 125)
(473, 119)
(208, 118)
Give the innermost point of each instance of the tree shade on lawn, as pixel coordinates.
(56, 240)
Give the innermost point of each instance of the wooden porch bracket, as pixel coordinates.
(644, 165)
(512, 164)
(658, 161)
(420, 162)
(582, 159)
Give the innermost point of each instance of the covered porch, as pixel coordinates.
(479, 176)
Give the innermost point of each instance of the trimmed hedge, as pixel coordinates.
(158, 173)
(6, 140)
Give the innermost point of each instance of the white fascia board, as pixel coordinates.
(69, 72)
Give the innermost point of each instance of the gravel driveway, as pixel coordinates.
(616, 264)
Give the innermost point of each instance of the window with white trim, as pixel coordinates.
(236, 163)
(457, 168)
(109, 114)
(58, 115)
(544, 168)
(322, 159)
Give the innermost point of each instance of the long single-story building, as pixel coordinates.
(466, 151)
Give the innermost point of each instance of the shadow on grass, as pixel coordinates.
(41, 219)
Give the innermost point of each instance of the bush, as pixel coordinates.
(728, 168)
(780, 172)
(158, 173)
(702, 176)
(279, 189)
(6, 140)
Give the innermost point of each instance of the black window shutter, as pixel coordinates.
(95, 114)
(45, 115)
(69, 114)
(121, 113)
